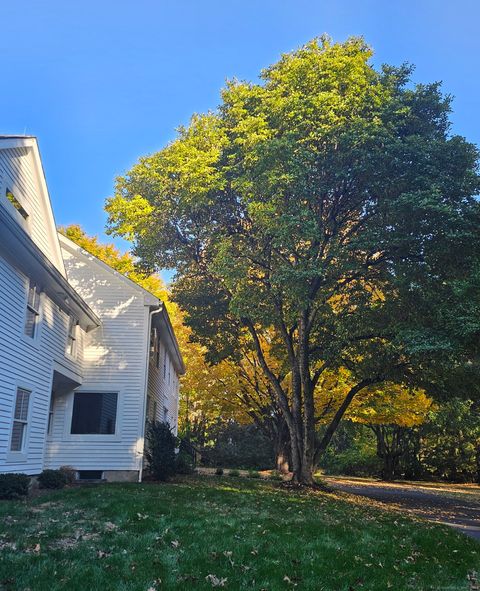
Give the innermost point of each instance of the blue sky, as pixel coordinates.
(102, 82)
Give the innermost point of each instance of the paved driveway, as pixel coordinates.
(454, 505)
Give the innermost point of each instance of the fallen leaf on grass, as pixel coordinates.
(215, 581)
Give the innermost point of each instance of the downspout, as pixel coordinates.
(145, 389)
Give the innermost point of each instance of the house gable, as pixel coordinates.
(22, 175)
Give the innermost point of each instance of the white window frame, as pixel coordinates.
(33, 340)
(72, 337)
(94, 389)
(51, 414)
(21, 455)
(9, 184)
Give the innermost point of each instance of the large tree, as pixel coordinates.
(324, 216)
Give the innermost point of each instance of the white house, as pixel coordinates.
(86, 355)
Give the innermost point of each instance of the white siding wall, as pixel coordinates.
(18, 173)
(29, 364)
(114, 360)
(163, 389)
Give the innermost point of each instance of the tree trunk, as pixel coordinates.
(282, 450)
(389, 465)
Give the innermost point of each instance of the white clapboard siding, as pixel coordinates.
(163, 389)
(20, 173)
(115, 356)
(29, 364)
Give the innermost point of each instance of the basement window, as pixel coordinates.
(90, 474)
(16, 203)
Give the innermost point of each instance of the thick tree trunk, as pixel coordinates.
(282, 450)
(389, 465)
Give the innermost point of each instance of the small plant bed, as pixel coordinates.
(234, 533)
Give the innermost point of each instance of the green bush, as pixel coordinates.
(352, 452)
(234, 473)
(240, 446)
(69, 473)
(160, 450)
(253, 474)
(52, 479)
(14, 486)
(184, 463)
(219, 472)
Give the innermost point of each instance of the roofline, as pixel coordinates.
(152, 301)
(74, 246)
(28, 253)
(171, 334)
(31, 142)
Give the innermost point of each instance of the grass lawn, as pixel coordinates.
(208, 532)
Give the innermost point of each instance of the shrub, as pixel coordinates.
(234, 473)
(253, 474)
(52, 479)
(160, 450)
(184, 463)
(275, 476)
(219, 472)
(240, 446)
(69, 473)
(14, 486)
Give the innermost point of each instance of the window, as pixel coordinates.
(157, 359)
(72, 336)
(153, 345)
(50, 416)
(20, 419)
(16, 203)
(33, 310)
(94, 413)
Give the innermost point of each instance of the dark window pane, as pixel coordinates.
(21, 404)
(30, 323)
(94, 413)
(17, 436)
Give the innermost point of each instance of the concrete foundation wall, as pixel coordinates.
(121, 475)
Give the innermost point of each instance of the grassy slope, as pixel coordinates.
(254, 534)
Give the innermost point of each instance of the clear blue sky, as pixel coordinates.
(103, 82)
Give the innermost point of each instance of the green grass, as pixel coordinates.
(255, 534)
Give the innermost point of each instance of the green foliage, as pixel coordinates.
(219, 472)
(240, 446)
(52, 479)
(325, 217)
(184, 463)
(69, 473)
(160, 450)
(450, 442)
(234, 473)
(14, 486)
(253, 474)
(275, 476)
(352, 452)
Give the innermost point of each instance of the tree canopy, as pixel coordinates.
(323, 218)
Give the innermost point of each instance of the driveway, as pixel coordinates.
(455, 505)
